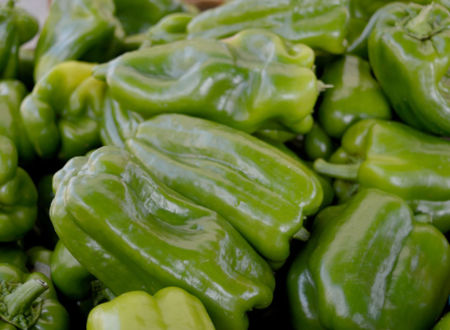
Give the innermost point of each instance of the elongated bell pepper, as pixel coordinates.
(77, 30)
(263, 192)
(68, 275)
(354, 95)
(29, 301)
(12, 92)
(16, 27)
(62, 114)
(321, 24)
(370, 265)
(399, 159)
(18, 195)
(133, 233)
(170, 308)
(411, 60)
(245, 82)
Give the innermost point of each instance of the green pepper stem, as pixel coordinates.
(419, 26)
(302, 235)
(22, 297)
(340, 171)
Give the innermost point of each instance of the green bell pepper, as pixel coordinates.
(39, 260)
(321, 24)
(409, 51)
(370, 265)
(317, 144)
(246, 81)
(28, 301)
(444, 323)
(133, 233)
(77, 30)
(12, 92)
(354, 95)
(263, 192)
(18, 196)
(62, 114)
(11, 253)
(16, 27)
(170, 308)
(398, 159)
(69, 277)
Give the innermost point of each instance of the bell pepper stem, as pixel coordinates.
(340, 171)
(22, 298)
(302, 235)
(419, 26)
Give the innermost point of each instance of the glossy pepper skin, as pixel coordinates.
(320, 24)
(353, 95)
(398, 159)
(170, 308)
(370, 265)
(61, 116)
(411, 60)
(68, 275)
(12, 92)
(133, 233)
(245, 82)
(30, 301)
(263, 192)
(16, 27)
(317, 143)
(77, 30)
(444, 323)
(18, 195)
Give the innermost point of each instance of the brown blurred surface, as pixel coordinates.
(205, 4)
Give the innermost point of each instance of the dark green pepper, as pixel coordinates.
(409, 51)
(12, 92)
(353, 95)
(321, 24)
(69, 277)
(133, 233)
(317, 144)
(370, 265)
(12, 254)
(28, 301)
(62, 114)
(246, 81)
(444, 323)
(16, 27)
(18, 195)
(263, 192)
(396, 158)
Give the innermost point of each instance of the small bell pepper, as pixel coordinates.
(16, 27)
(11, 253)
(321, 24)
(12, 92)
(317, 144)
(39, 260)
(370, 265)
(353, 95)
(133, 233)
(28, 301)
(69, 277)
(444, 323)
(170, 308)
(245, 81)
(18, 195)
(263, 192)
(62, 114)
(409, 51)
(398, 159)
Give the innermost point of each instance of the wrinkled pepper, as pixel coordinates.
(321, 24)
(170, 308)
(409, 51)
(353, 95)
(133, 233)
(263, 192)
(69, 277)
(398, 159)
(370, 265)
(18, 195)
(246, 81)
(62, 114)
(16, 27)
(12, 92)
(28, 301)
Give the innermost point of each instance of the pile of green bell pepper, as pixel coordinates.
(244, 164)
